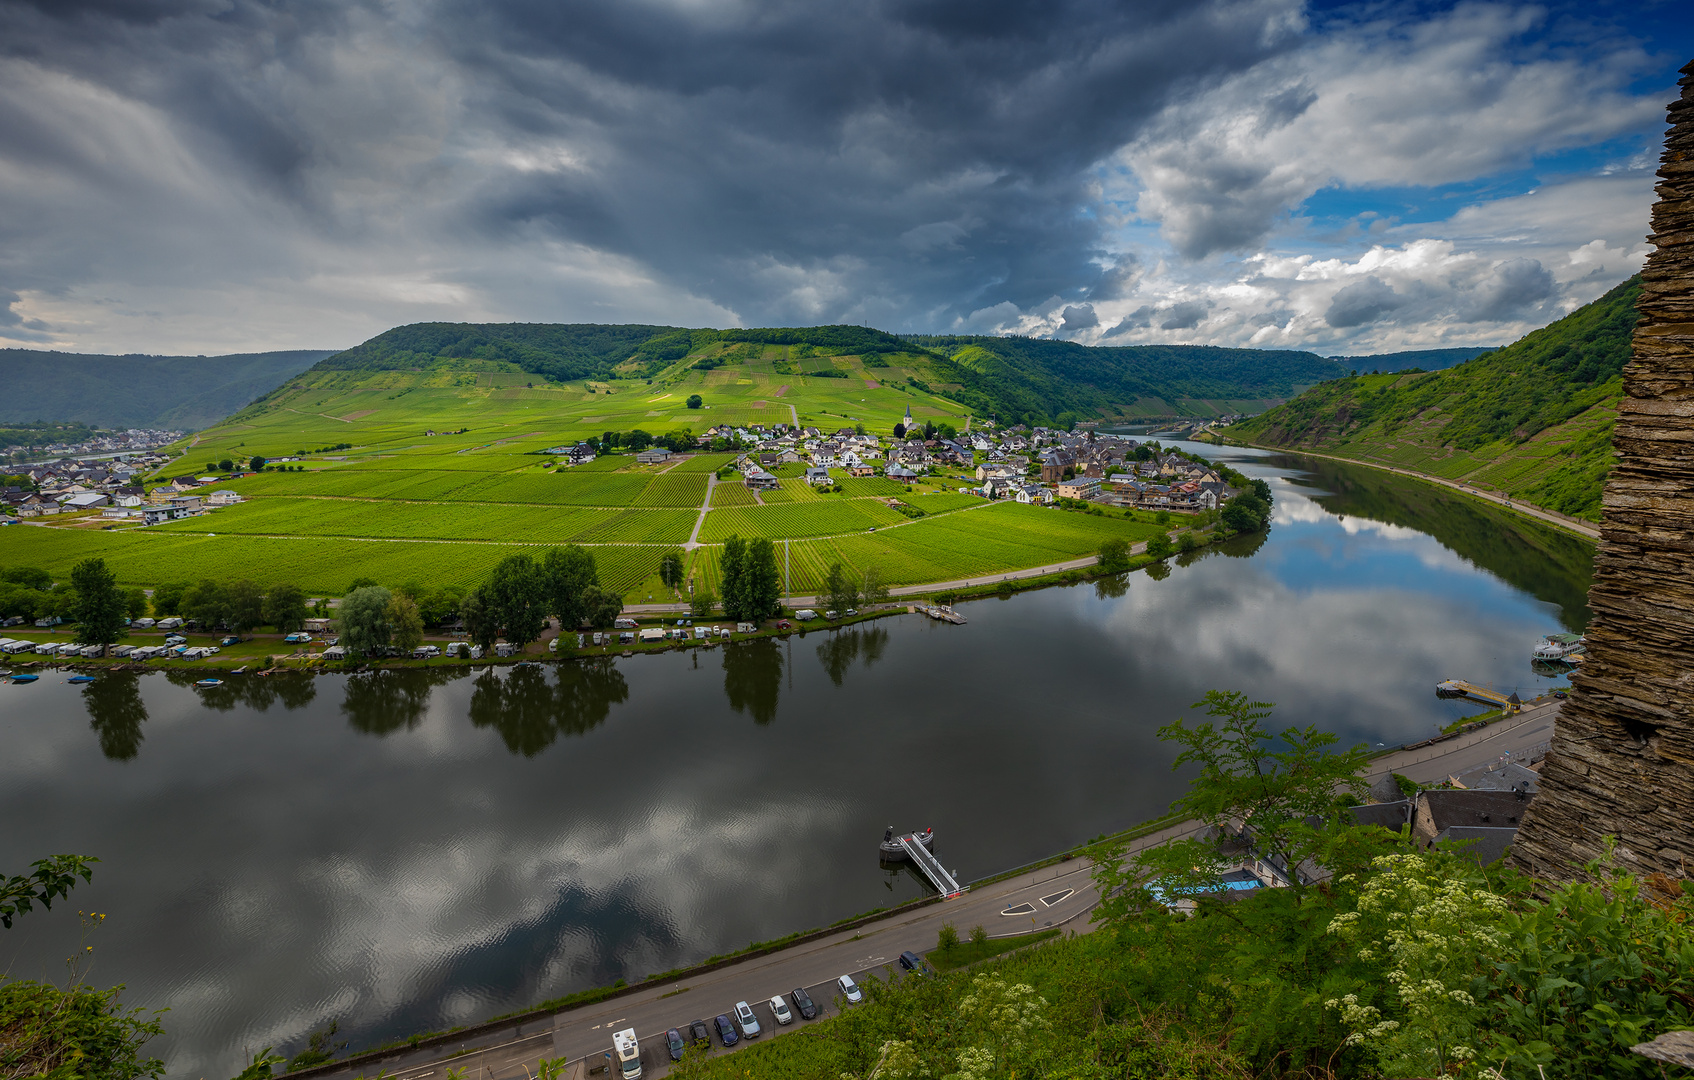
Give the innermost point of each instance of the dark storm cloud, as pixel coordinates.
(1184, 316)
(1078, 317)
(1514, 289)
(1362, 302)
(901, 162)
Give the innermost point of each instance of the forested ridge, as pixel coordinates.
(1533, 419)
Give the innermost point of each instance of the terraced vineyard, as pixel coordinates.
(796, 519)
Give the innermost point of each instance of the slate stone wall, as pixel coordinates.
(1622, 757)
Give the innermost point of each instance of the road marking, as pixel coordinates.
(1021, 909)
(869, 960)
(1056, 898)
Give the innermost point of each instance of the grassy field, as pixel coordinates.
(400, 503)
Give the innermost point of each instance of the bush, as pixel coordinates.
(948, 939)
(81, 1033)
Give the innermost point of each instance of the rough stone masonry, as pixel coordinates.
(1622, 758)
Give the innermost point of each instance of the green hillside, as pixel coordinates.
(1424, 359)
(137, 391)
(1014, 379)
(1532, 420)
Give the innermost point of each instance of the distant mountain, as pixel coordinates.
(182, 392)
(1533, 419)
(1015, 379)
(1427, 359)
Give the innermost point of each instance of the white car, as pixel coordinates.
(850, 989)
(780, 1010)
(745, 1019)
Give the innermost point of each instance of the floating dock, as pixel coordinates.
(1459, 688)
(939, 612)
(932, 869)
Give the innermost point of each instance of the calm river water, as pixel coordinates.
(407, 851)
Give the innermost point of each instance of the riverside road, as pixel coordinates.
(1059, 896)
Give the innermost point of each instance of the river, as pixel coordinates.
(407, 851)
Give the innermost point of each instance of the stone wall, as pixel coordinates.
(1622, 758)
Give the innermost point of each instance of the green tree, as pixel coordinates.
(569, 572)
(672, 569)
(211, 466)
(638, 440)
(257, 464)
(206, 602)
(841, 588)
(517, 591)
(246, 606)
(49, 879)
(601, 607)
(135, 603)
(1187, 543)
(874, 590)
(482, 626)
(1289, 799)
(406, 622)
(167, 599)
(763, 593)
(226, 465)
(360, 583)
(285, 608)
(100, 606)
(702, 603)
(1159, 546)
(363, 618)
(732, 577)
(1114, 556)
(694, 401)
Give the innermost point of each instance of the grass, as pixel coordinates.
(971, 952)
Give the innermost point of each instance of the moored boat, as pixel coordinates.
(1560, 648)
(24, 678)
(80, 679)
(206, 684)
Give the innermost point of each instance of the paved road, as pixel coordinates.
(1062, 896)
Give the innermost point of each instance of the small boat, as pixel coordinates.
(206, 684)
(25, 678)
(1560, 647)
(890, 850)
(80, 679)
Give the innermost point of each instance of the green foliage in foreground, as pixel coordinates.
(75, 1034)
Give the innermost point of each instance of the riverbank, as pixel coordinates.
(1586, 530)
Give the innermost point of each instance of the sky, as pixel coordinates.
(211, 176)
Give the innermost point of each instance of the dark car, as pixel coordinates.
(911, 961)
(699, 1033)
(726, 1030)
(1560, 694)
(803, 1004)
(674, 1038)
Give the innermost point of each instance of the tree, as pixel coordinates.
(360, 583)
(50, 879)
(671, 569)
(1187, 543)
(761, 593)
(601, 607)
(638, 440)
(947, 431)
(1288, 800)
(700, 605)
(1246, 513)
(206, 603)
(100, 606)
(569, 572)
(481, 625)
(135, 603)
(211, 466)
(873, 591)
(1114, 556)
(364, 620)
(694, 401)
(246, 606)
(407, 624)
(732, 575)
(285, 608)
(518, 592)
(1159, 546)
(167, 599)
(257, 464)
(899, 431)
(841, 590)
(226, 465)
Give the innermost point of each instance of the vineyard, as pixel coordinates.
(674, 489)
(796, 519)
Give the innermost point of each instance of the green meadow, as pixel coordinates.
(401, 504)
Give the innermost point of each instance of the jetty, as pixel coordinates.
(1459, 688)
(938, 612)
(915, 847)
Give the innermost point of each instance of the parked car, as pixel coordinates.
(911, 961)
(726, 1031)
(1560, 694)
(852, 612)
(700, 1034)
(850, 989)
(673, 1039)
(230, 640)
(780, 1010)
(803, 1002)
(749, 1023)
(832, 614)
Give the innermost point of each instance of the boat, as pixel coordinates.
(25, 678)
(1560, 648)
(890, 850)
(80, 679)
(207, 684)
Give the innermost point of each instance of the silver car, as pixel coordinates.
(850, 989)
(748, 1022)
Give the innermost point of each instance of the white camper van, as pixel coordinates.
(628, 1053)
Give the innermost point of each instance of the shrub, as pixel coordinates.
(948, 939)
